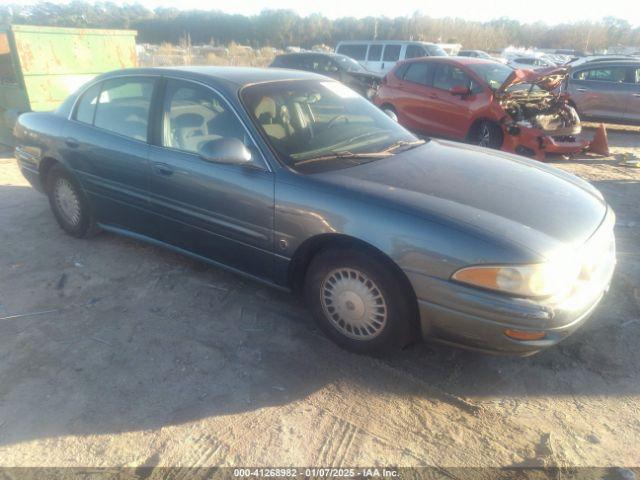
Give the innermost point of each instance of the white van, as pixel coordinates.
(379, 56)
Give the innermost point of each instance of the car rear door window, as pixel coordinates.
(357, 52)
(87, 104)
(603, 74)
(375, 51)
(418, 73)
(391, 53)
(123, 107)
(414, 51)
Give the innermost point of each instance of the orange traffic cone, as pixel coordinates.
(600, 144)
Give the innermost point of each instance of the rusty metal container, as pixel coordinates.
(41, 66)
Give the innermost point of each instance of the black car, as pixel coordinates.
(339, 67)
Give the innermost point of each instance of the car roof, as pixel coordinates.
(608, 63)
(309, 54)
(385, 42)
(452, 59)
(237, 76)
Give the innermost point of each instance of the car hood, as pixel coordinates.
(500, 195)
(546, 78)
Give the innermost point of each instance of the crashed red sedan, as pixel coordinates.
(483, 102)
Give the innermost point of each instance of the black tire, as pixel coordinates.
(83, 224)
(488, 134)
(399, 325)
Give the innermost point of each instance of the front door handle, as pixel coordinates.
(71, 142)
(636, 94)
(581, 89)
(163, 169)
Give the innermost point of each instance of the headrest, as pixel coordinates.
(266, 105)
(187, 120)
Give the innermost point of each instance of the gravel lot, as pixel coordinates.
(115, 353)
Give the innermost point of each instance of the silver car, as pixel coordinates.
(606, 90)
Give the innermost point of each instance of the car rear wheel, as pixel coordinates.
(358, 301)
(489, 135)
(69, 204)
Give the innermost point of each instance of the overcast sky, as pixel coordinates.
(549, 11)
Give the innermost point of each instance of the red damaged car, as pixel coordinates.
(483, 102)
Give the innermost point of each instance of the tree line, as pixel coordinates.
(282, 28)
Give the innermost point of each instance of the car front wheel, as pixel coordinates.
(358, 301)
(489, 135)
(69, 205)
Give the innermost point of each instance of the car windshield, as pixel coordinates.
(316, 125)
(436, 51)
(348, 63)
(493, 73)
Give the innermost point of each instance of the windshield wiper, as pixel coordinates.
(409, 144)
(345, 155)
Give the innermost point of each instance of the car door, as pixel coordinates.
(105, 144)
(452, 114)
(601, 91)
(632, 113)
(220, 211)
(412, 97)
(390, 56)
(374, 58)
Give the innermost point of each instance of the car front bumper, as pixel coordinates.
(470, 322)
(534, 143)
(478, 319)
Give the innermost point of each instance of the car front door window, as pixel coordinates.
(196, 120)
(414, 51)
(447, 77)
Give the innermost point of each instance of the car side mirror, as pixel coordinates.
(229, 151)
(460, 90)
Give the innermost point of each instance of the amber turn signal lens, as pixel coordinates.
(524, 335)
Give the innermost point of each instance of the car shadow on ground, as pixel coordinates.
(134, 337)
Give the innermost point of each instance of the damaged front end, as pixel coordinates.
(366, 83)
(538, 120)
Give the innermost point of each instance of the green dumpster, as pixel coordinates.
(41, 66)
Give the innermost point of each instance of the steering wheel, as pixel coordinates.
(332, 122)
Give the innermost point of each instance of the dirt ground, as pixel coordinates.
(116, 353)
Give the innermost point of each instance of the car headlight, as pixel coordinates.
(554, 278)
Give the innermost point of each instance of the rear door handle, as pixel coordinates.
(163, 169)
(581, 89)
(71, 142)
(636, 94)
